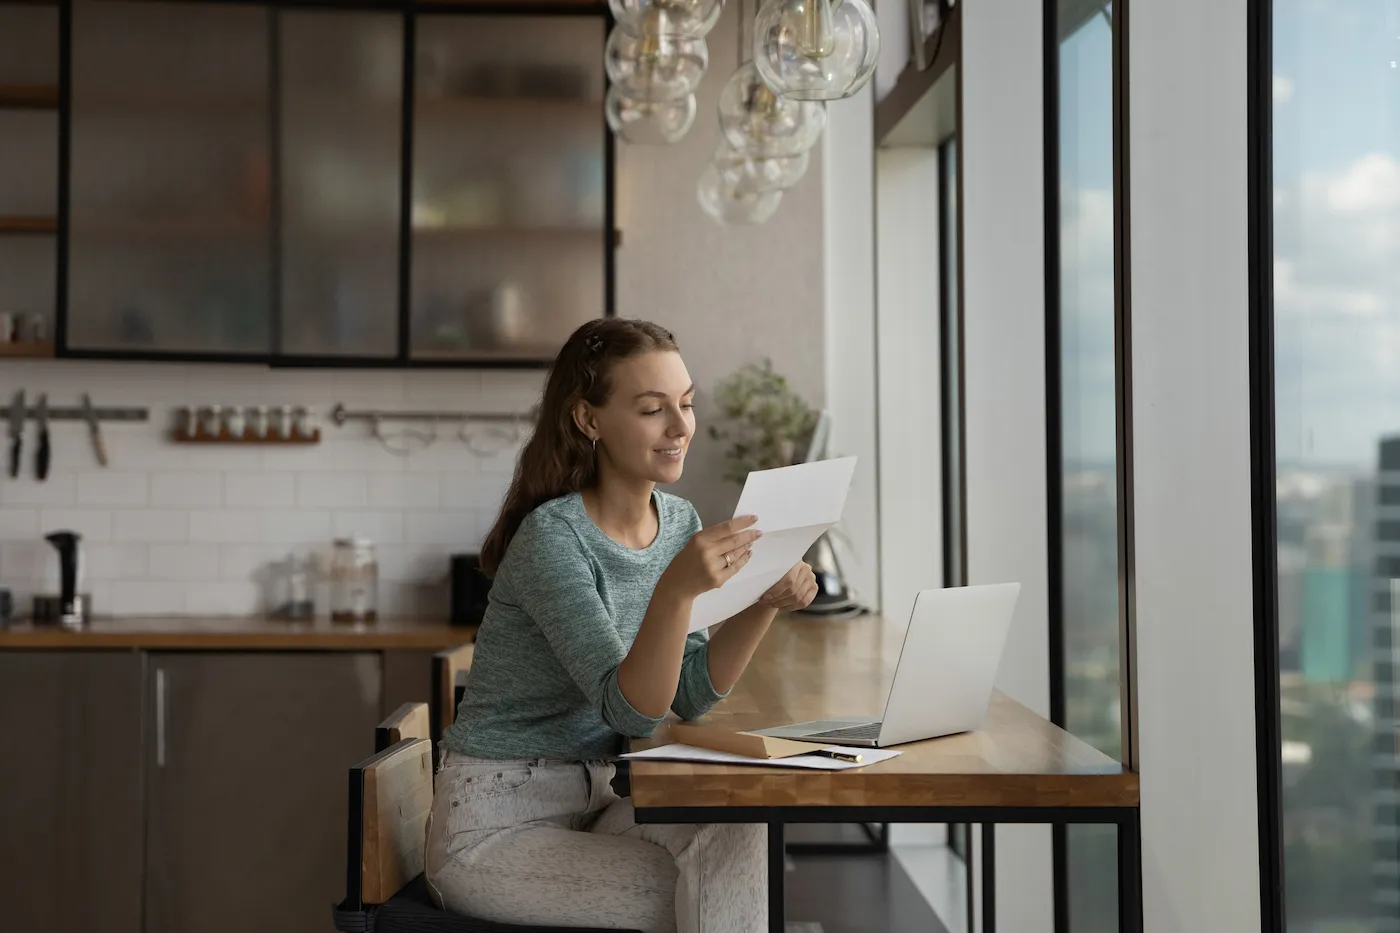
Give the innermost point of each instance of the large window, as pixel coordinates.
(1336, 321)
(1086, 556)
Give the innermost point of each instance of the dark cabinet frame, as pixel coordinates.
(403, 358)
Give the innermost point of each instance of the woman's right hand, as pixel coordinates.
(711, 557)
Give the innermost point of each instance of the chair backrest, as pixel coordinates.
(447, 665)
(391, 795)
(410, 721)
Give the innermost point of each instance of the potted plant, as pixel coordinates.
(763, 421)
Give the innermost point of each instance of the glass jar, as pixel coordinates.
(354, 581)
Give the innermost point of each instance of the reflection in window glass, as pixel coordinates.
(1336, 160)
(1088, 422)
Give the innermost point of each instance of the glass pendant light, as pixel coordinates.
(816, 49)
(754, 119)
(692, 18)
(731, 207)
(655, 65)
(744, 173)
(649, 123)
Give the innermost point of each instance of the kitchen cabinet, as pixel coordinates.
(29, 176)
(509, 185)
(333, 185)
(169, 226)
(340, 77)
(247, 756)
(71, 791)
(198, 791)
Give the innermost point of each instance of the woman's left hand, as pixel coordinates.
(794, 591)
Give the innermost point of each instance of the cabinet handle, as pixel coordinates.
(160, 717)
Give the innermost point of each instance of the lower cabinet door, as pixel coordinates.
(247, 755)
(71, 793)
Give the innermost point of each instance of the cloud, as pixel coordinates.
(1371, 184)
(1337, 310)
(1283, 89)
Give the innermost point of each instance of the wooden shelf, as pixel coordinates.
(28, 225)
(29, 351)
(29, 96)
(188, 229)
(180, 436)
(463, 230)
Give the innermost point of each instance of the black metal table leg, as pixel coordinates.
(1130, 871)
(989, 878)
(777, 865)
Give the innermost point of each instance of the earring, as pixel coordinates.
(595, 444)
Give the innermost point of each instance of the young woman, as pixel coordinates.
(585, 643)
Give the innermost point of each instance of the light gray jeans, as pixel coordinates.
(548, 842)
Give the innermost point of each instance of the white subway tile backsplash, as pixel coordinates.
(399, 563)
(379, 527)
(106, 561)
(225, 526)
(140, 598)
(298, 528)
(23, 561)
(457, 529)
(223, 598)
(332, 490)
(447, 455)
(58, 489)
(129, 447)
(92, 524)
(18, 524)
(112, 487)
(473, 490)
(248, 562)
(202, 488)
(171, 529)
(403, 491)
(260, 491)
(150, 525)
(187, 561)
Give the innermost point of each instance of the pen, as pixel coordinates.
(839, 756)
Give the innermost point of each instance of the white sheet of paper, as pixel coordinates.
(678, 752)
(794, 506)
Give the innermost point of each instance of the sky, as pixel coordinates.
(1336, 90)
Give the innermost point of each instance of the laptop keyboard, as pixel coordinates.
(868, 730)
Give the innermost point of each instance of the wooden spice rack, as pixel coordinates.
(181, 436)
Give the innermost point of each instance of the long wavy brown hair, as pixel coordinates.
(558, 459)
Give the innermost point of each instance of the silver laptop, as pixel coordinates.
(943, 680)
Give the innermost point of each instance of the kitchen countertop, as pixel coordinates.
(189, 632)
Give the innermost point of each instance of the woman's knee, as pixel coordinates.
(744, 841)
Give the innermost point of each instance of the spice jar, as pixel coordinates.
(354, 581)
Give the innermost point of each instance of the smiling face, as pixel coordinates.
(645, 427)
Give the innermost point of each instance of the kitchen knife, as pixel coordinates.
(16, 431)
(94, 429)
(42, 453)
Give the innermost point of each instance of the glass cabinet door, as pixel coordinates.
(341, 119)
(29, 131)
(509, 185)
(170, 208)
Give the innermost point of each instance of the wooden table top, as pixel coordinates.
(235, 633)
(815, 668)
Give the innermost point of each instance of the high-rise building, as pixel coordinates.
(1385, 868)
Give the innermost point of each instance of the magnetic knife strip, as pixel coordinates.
(75, 413)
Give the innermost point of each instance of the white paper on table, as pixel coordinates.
(794, 505)
(679, 752)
